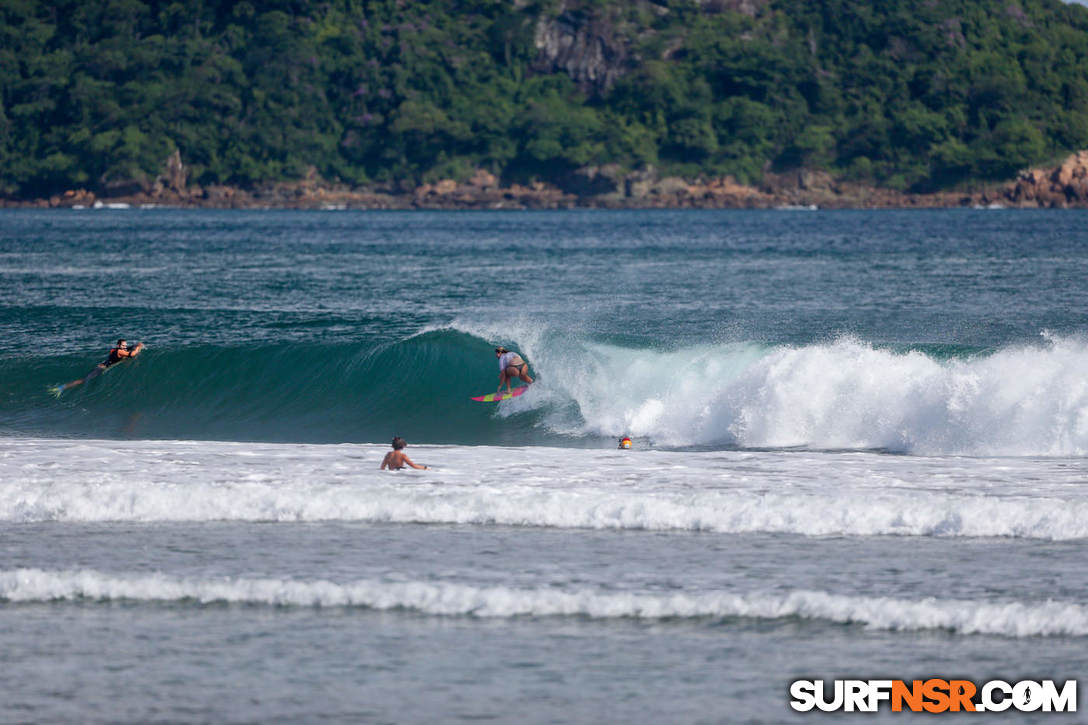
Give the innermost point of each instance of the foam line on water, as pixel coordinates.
(803, 493)
(1010, 619)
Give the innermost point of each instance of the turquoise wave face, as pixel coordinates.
(842, 394)
(312, 392)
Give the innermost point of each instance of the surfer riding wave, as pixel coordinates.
(511, 366)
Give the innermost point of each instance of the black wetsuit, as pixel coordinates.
(112, 359)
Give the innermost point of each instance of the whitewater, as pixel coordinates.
(789, 492)
(860, 449)
(444, 599)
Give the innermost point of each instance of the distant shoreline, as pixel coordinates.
(1063, 186)
(349, 202)
(515, 199)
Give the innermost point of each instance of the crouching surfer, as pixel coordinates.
(511, 366)
(397, 459)
(120, 351)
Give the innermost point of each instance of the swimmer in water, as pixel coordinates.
(397, 459)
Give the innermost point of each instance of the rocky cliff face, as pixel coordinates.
(175, 176)
(1064, 186)
(595, 49)
(584, 46)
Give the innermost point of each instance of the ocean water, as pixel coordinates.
(860, 444)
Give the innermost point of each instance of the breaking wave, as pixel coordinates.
(438, 598)
(1028, 400)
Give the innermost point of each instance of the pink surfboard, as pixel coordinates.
(494, 397)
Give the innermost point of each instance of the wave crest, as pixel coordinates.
(1011, 619)
(1029, 400)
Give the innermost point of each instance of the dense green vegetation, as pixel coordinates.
(908, 94)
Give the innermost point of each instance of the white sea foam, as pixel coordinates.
(1012, 619)
(1029, 400)
(803, 493)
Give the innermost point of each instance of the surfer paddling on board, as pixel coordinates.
(511, 366)
(397, 459)
(119, 352)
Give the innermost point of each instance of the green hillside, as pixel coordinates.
(917, 95)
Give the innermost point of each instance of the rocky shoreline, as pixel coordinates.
(1063, 186)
